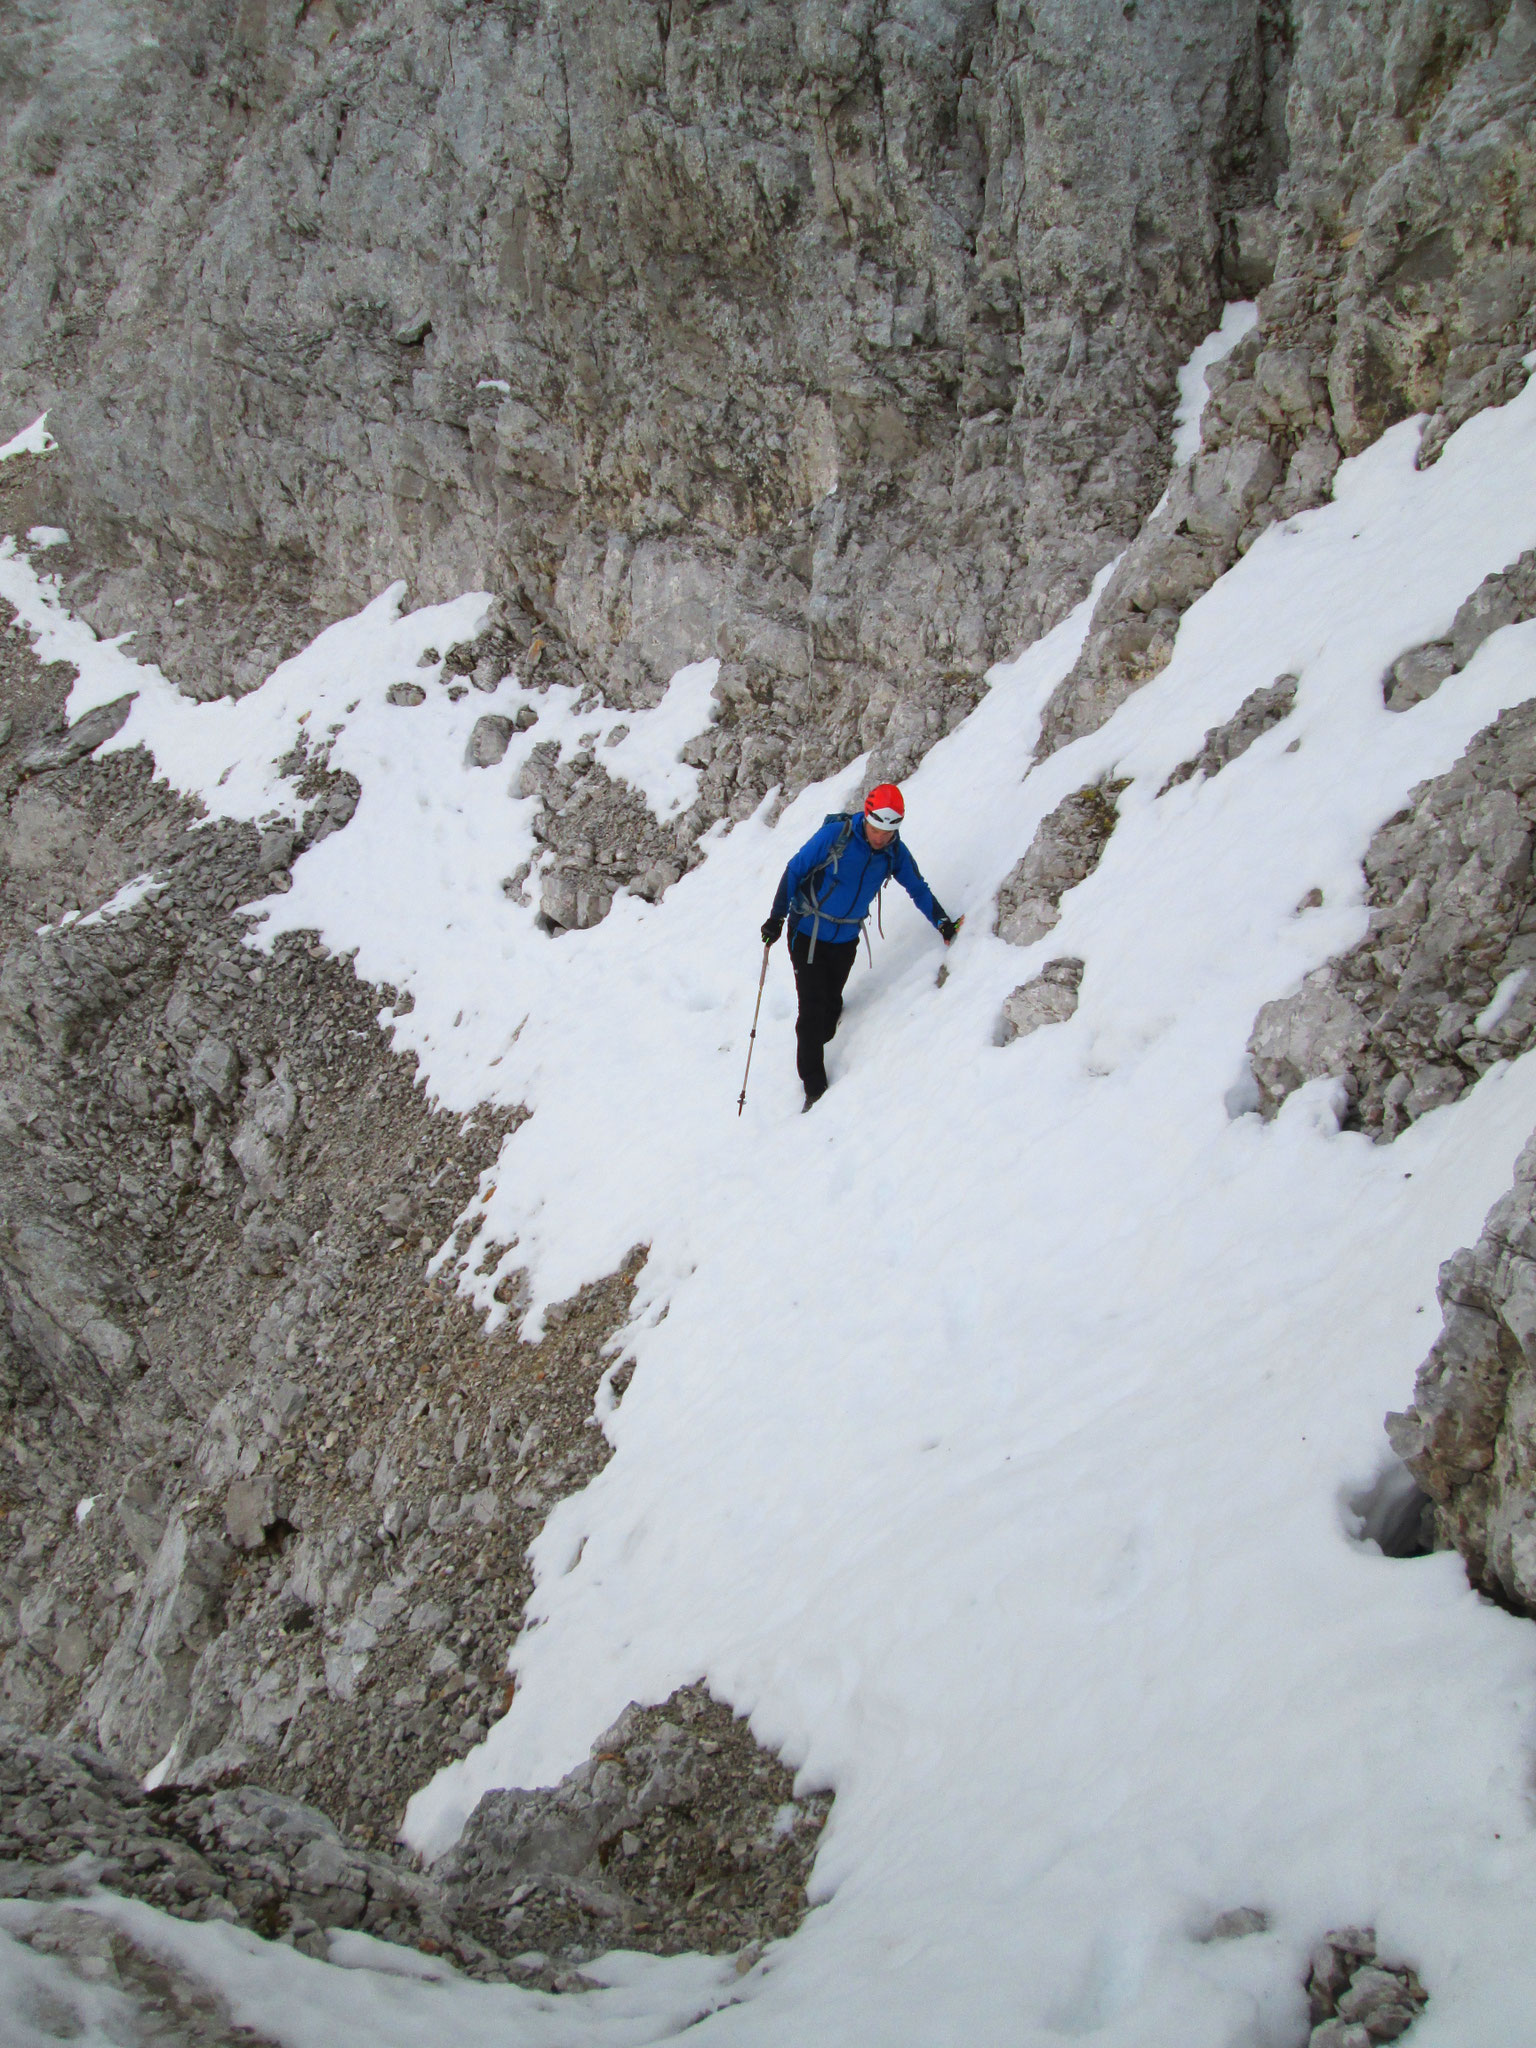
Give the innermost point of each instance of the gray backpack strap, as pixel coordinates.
(810, 888)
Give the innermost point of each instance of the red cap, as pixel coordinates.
(883, 807)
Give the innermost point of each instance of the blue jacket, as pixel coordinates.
(846, 891)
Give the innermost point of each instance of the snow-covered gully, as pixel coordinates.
(992, 1432)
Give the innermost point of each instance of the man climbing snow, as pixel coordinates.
(826, 891)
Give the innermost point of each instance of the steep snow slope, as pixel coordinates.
(994, 1429)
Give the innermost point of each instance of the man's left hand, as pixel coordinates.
(949, 929)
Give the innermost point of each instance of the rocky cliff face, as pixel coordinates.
(1396, 277)
(837, 342)
(1439, 988)
(267, 1494)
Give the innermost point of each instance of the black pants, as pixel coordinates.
(819, 985)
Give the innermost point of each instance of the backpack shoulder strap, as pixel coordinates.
(807, 901)
(834, 853)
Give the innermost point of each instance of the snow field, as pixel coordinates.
(994, 1429)
(379, 1994)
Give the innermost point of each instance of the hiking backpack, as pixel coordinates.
(807, 902)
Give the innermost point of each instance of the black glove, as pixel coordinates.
(948, 930)
(773, 931)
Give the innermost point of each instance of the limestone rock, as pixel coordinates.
(140, 1699)
(1068, 845)
(199, 1292)
(949, 426)
(1317, 1031)
(82, 738)
(1506, 598)
(215, 1066)
(959, 304)
(398, 1211)
(520, 368)
(1236, 1924)
(1257, 713)
(573, 900)
(488, 741)
(1442, 985)
(678, 1834)
(1393, 292)
(1418, 674)
(1354, 1999)
(277, 848)
(533, 778)
(242, 1854)
(627, 1838)
(1051, 998)
(65, 1300)
(250, 1509)
(599, 834)
(1469, 1437)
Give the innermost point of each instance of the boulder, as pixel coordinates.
(82, 738)
(488, 741)
(1051, 998)
(250, 1509)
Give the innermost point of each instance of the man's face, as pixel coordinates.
(878, 840)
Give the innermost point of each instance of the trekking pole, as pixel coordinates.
(741, 1099)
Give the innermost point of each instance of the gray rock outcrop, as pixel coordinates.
(835, 340)
(488, 741)
(1469, 1437)
(1441, 987)
(1050, 998)
(1402, 282)
(597, 835)
(1506, 598)
(268, 1493)
(73, 1818)
(1259, 711)
(191, 1207)
(1068, 845)
(82, 738)
(1354, 2000)
(679, 1833)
